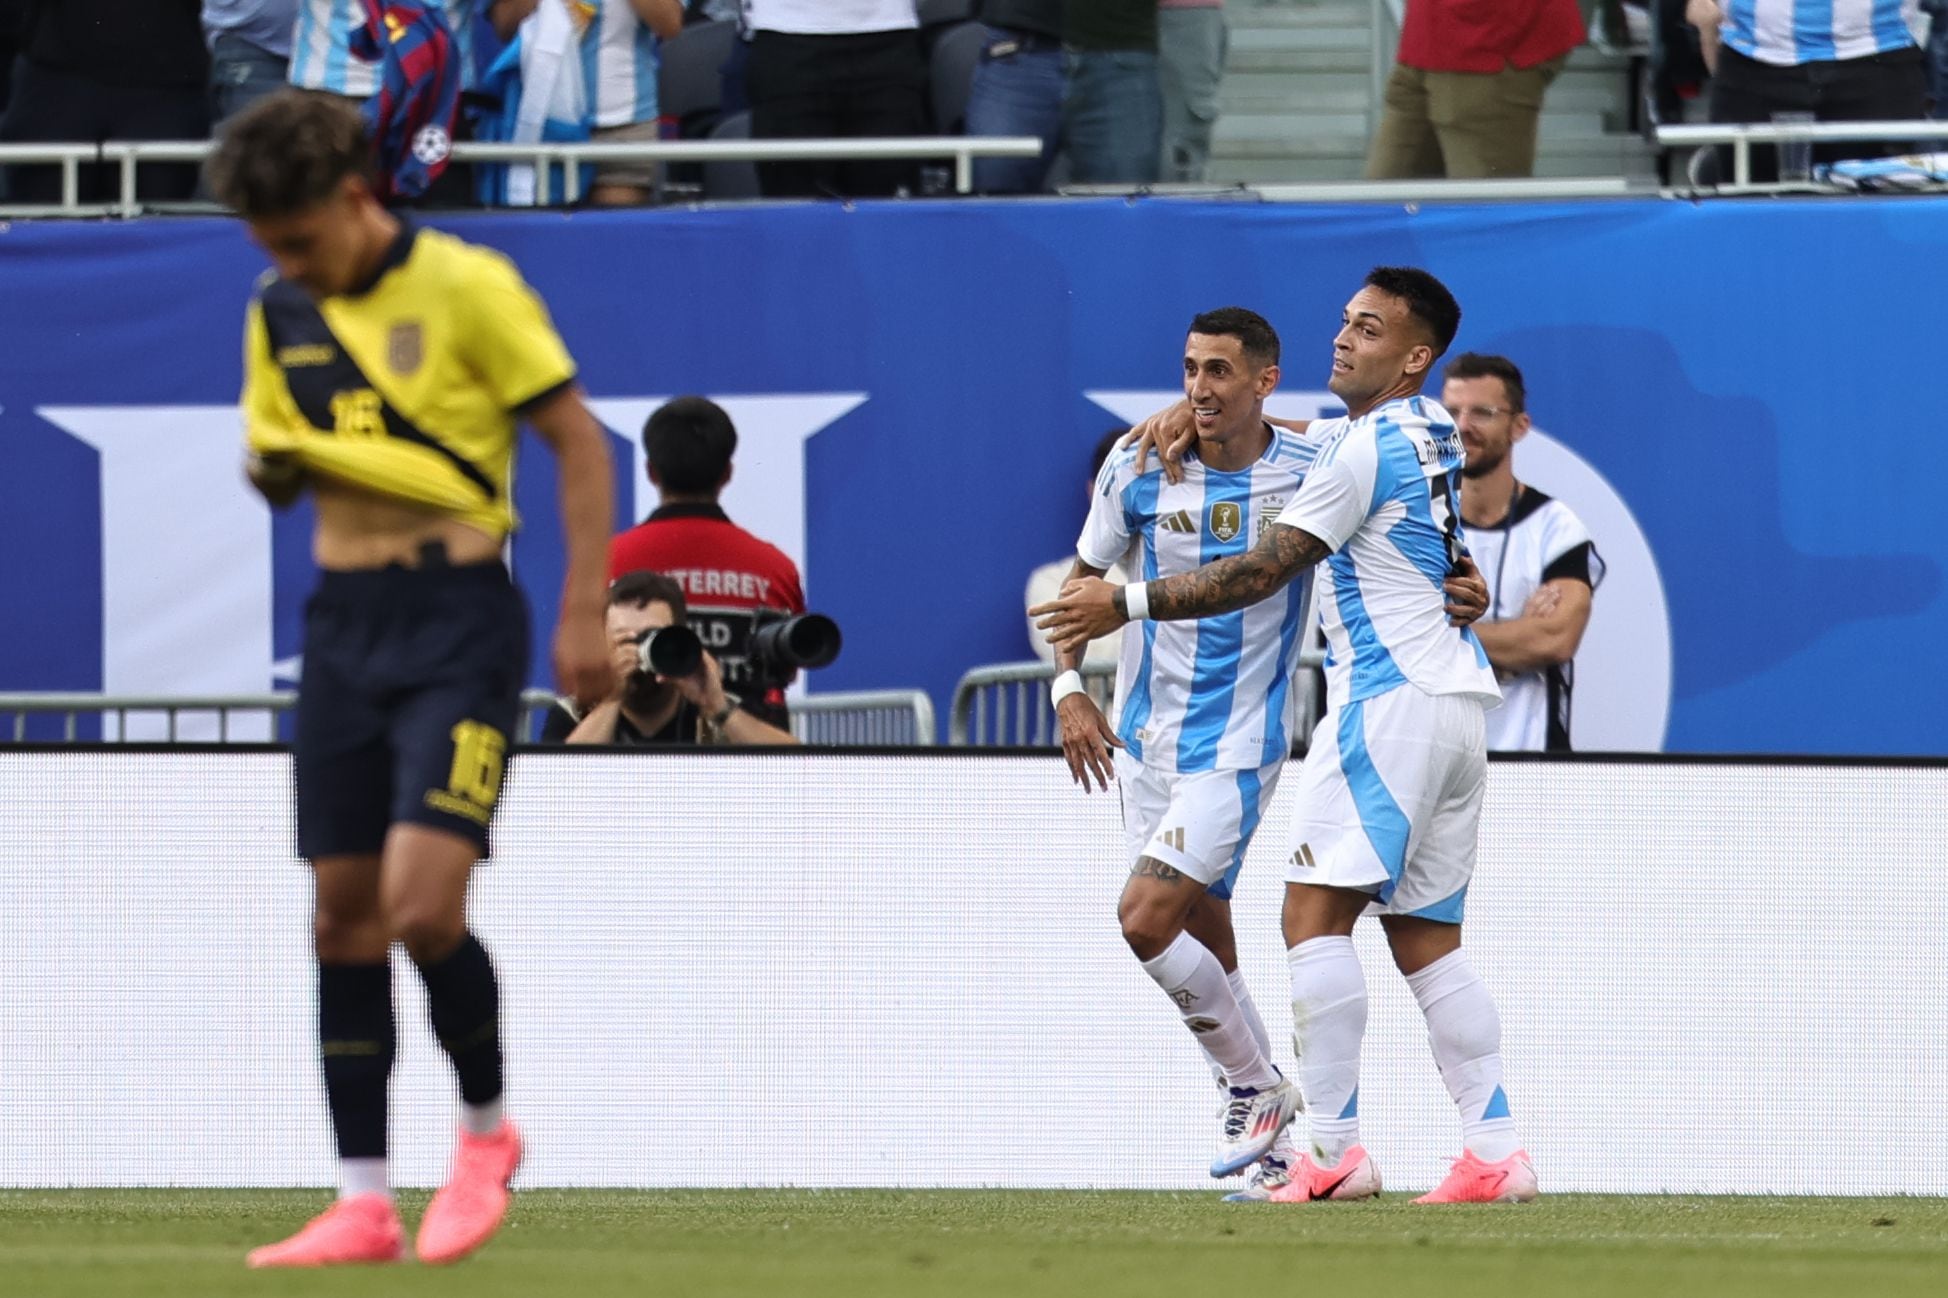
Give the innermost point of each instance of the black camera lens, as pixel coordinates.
(808, 640)
(670, 651)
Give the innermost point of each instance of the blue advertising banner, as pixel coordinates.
(1729, 394)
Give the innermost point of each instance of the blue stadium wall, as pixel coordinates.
(1750, 385)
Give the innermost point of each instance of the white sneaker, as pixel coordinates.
(1249, 1124)
(1268, 1174)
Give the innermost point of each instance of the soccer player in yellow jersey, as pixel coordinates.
(385, 369)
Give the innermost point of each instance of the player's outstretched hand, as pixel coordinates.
(1169, 434)
(1467, 593)
(1086, 741)
(1085, 609)
(584, 670)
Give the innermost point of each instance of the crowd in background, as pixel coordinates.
(1120, 92)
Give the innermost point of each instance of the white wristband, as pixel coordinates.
(1069, 682)
(1136, 600)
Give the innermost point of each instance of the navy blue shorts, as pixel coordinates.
(407, 701)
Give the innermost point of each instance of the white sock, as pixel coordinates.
(1466, 1033)
(481, 1119)
(362, 1176)
(1242, 994)
(1192, 977)
(1328, 1022)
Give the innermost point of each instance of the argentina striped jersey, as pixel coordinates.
(1215, 693)
(1786, 33)
(321, 49)
(1381, 495)
(618, 63)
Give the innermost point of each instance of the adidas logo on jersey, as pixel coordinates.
(1303, 858)
(1180, 521)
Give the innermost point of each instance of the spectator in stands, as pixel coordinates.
(729, 575)
(321, 50)
(618, 41)
(93, 70)
(1191, 44)
(1537, 556)
(835, 69)
(13, 31)
(1937, 11)
(647, 708)
(250, 52)
(1466, 91)
(1017, 90)
(1764, 59)
(1112, 105)
(1046, 582)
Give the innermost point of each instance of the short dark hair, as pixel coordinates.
(689, 441)
(286, 153)
(1253, 331)
(644, 587)
(1104, 447)
(1427, 299)
(1480, 365)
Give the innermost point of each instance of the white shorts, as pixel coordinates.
(1390, 801)
(1200, 823)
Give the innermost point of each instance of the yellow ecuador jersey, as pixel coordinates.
(409, 388)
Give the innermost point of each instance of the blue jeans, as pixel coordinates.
(1017, 91)
(1191, 46)
(240, 75)
(1937, 48)
(1112, 117)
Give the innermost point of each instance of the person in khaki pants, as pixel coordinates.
(1467, 88)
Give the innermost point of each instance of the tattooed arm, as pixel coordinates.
(1234, 582)
(1090, 607)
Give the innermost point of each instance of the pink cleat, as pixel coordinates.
(362, 1228)
(1354, 1176)
(468, 1210)
(1512, 1180)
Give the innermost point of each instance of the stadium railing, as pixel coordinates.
(1005, 705)
(850, 718)
(127, 155)
(1740, 139)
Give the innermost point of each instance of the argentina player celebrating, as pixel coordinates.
(1206, 714)
(1390, 793)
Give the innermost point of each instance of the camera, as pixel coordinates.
(783, 642)
(669, 651)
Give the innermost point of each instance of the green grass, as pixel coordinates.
(1006, 1244)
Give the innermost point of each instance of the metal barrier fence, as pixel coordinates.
(857, 718)
(1006, 704)
(128, 155)
(864, 718)
(1741, 138)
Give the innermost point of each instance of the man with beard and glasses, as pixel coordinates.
(1542, 568)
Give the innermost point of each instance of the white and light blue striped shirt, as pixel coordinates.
(1381, 495)
(1786, 33)
(618, 64)
(321, 51)
(1215, 693)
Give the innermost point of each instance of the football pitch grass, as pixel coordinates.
(1003, 1244)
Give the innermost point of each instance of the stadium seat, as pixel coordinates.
(731, 179)
(951, 74)
(689, 85)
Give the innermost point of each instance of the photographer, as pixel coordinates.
(733, 579)
(682, 707)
